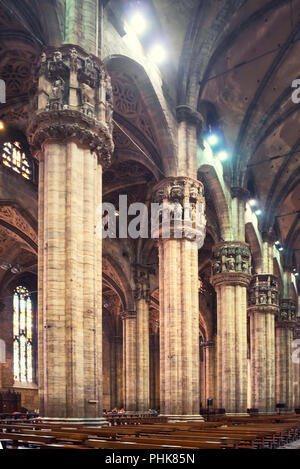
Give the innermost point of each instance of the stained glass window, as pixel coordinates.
(15, 158)
(22, 335)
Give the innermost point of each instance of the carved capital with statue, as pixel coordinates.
(73, 102)
(263, 294)
(287, 314)
(231, 263)
(182, 202)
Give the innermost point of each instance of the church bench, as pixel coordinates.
(24, 440)
(273, 436)
(183, 442)
(98, 444)
(245, 434)
(58, 435)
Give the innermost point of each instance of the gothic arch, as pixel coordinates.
(160, 119)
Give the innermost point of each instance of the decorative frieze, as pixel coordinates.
(263, 294)
(231, 263)
(287, 314)
(74, 101)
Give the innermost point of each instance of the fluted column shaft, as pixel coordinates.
(210, 365)
(296, 365)
(285, 324)
(230, 277)
(116, 373)
(154, 370)
(262, 307)
(143, 363)
(179, 328)
(130, 360)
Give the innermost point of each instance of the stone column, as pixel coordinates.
(116, 373)
(130, 360)
(71, 134)
(142, 297)
(178, 296)
(285, 324)
(263, 306)
(231, 269)
(209, 361)
(296, 365)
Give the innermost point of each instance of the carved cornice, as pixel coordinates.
(263, 294)
(182, 192)
(128, 314)
(73, 102)
(231, 263)
(287, 314)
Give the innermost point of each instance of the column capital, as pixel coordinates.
(180, 189)
(185, 113)
(239, 193)
(263, 294)
(183, 202)
(128, 314)
(287, 314)
(73, 102)
(231, 263)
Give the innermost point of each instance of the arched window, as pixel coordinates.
(14, 156)
(22, 335)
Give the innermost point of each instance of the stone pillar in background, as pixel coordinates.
(178, 299)
(231, 269)
(263, 306)
(116, 373)
(142, 297)
(129, 360)
(209, 363)
(71, 135)
(285, 324)
(154, 362)
(296, 365)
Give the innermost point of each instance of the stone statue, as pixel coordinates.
(55, 101)
(230, 263)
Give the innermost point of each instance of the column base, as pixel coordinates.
(183, 418)
(88, 422)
